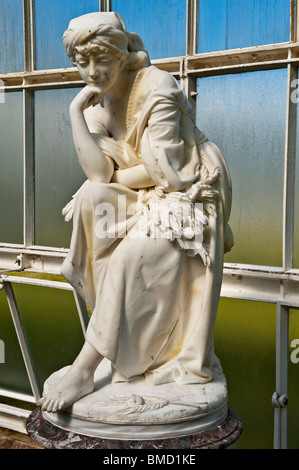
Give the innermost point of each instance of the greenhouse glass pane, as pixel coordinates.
(245, 345)
(11, 36)
(11, 174)
(52, 327)
(58, 174)
(293, 392)
(161, 24)
(244, 114)
(51, 20)
(231, 24)
(13, 375)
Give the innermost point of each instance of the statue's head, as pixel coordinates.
(103, 33)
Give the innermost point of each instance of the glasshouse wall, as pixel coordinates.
(238, 63)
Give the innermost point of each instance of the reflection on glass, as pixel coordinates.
(58, 174)
(245, 345)
(11, 34)
(232, 24)
(11, 174)
(52, 327)
(51, 20)
(161, 24)
(244, 114)
(293, 392)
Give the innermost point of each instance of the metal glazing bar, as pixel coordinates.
(104, 5)
(28, 164)
(17, 396)
(82, 312)
(293, 20)
(28, 12)
(189, 86)
(188, 82)
(28, 132)
(279, 399)
(37, 282)
(22, 339)
(191, 27)
(289, 169)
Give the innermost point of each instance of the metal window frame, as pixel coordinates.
(278, 285)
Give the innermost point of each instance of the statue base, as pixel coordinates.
(155, 409)
(137, 414)
(51, 436)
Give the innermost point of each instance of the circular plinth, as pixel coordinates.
(51, 436)
(138, 402)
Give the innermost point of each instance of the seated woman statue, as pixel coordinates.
(152, 273)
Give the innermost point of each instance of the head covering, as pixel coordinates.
(108, 29)
(93, 20)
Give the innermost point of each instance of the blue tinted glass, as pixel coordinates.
(230, 24)
(11, 173)
(161, 24)
(51, 20)
(11, 36)
(58, 174)
(244, 114)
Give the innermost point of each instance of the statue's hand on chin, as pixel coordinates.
(88, 96)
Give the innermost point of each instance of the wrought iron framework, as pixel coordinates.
(279, 286)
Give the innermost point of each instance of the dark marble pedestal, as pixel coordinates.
(51, 436)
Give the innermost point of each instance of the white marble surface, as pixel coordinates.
(152, 278)
(138, 402)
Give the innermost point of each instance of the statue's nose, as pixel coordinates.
(92, 69)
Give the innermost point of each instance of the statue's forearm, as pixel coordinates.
(94, 163)
(135, 177)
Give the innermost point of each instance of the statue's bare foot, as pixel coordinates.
(73, 386)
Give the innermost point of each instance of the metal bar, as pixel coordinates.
(293, 21)
(265, 272)
(17, 396)
(37, 282)
(104, 5)
(13, 418)
(28, 126)
(28, 11)
(191, 27)
(289, 170)
(82, 312)
(282, 341)
(257, 57)
(34, 261)
(22, 340)
(28, 159)
(12, 410)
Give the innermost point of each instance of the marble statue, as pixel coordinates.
(150, 228)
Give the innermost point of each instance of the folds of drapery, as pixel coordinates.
(154, 307)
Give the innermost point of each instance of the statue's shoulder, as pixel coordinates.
(157, 79)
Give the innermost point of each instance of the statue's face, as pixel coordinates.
(99, 70)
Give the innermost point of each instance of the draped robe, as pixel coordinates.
(153, 299)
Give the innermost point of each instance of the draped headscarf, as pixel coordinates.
(107, 29)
